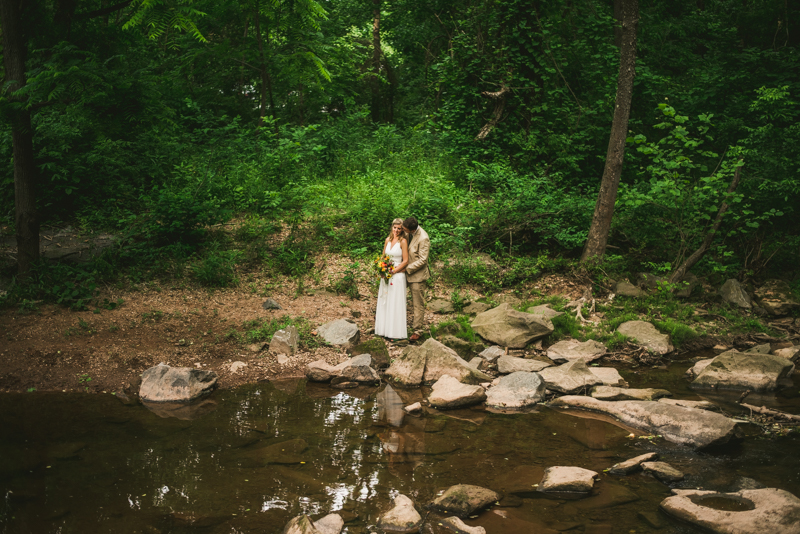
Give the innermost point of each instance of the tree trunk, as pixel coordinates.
(376, 60)
(266, 82)
(604, 209)
(26, 218)
(698, 254)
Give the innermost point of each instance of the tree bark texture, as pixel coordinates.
(376, 61)
(698, 254)
(604, 208)
(26, 217)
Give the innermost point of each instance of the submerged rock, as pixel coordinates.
(448, 393)
(517, 390)
(572, 377)
(429, 362)
(564, 479)
(512, 364)
(633, 465)
(403, 517)
(662, 471)
(767, 510)
(163, 383)
(511, 328)
(646, 335)
(609, 393)
(464, 499)
(738, 370)
(695, 428)
(571, 349)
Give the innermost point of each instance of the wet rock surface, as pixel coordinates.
(464, 499)
(403, 517)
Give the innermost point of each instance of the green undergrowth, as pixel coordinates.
(262, 330)
(460, 327)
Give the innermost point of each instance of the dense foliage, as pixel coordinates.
(488, 121)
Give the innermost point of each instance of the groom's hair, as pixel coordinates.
(411, 223)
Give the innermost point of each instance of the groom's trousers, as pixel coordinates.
(418, 298)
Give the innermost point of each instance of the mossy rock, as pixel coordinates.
(375, 347)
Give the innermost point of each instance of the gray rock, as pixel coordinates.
(302, 524)
(429, 362)
(764, 348)
(440, 306)
(285, 341)
(511, 364)
(626, 289)
(633, 465)
(320, 371)
(375, 347)
(608, 376)
(567, 479)
(687, 285)
(517, 390)
(412, 408)
(454, 523)
(608, 393)
(271, 304)
(645, 334)
(792, 353)
(695, 428)
(662, 471)
(694, 371)
(476, 362)
(163, 383)
(511, 328)
(474, 308)
(570, 350)
(697, 405)
(492, 353)
(775, 296)
(761, 510)
(571, 377)
(546, 310)
(257, 347)
(403, 517)
(340, 332)
(738, 370)
(464, 499)
(357, 369)
(449, 393)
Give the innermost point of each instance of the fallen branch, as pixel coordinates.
(772, 413)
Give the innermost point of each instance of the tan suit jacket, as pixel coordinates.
(418, 249)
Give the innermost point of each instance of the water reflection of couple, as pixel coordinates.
(404, 439)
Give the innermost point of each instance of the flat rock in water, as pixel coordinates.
(767, 510)
(375, 347)
(512, 364)
(626, 289)
(464, 499)
(738, 370)
(511, 328)
(341, 333)
(697, 405)
(545, 310)
(662, 471)
(570, 350)
(440, 306)
(609, 376)
(775, 296)
(285, 341)
(567, 479)
(448, 393)
(474, 308)
(492, 353)
(571, 377)
(646, 335)
(695, 428)
(633, 465)
(429, 362)
(517, 390)
(734, 293)
(609, 393)
(403, 517)
(163, 383)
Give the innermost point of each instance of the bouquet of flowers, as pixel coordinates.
(383, 266)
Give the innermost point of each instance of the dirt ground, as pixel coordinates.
(56, 349)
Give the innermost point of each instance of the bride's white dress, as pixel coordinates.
(390, 317)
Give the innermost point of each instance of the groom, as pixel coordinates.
(417, 270)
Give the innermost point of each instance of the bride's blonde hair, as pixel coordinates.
(391, 229)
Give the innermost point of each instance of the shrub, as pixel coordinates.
(217, 268)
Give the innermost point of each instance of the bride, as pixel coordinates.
(390, 317)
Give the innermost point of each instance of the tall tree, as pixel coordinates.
(375, 82)
(604, 208)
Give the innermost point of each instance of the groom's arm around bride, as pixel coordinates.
(417, 269)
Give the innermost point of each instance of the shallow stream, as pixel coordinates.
(250, 459)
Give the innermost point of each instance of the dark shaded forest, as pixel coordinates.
(489, 121)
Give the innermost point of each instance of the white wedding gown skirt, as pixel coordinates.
(390, 317)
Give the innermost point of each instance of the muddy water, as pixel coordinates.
(248, 460)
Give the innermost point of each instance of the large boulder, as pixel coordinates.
(464, 499)
(512, 364)
(747, 512)
(341, 333)
(738, 370)
(517, 390)
(285, 341)
(734, 293)
(448, 393)
(570, 350)
(572, 377)
(646, 335)
(403, 517)
(775, 296)
(511, 328)
(163, 383)
(429, 362)
(695, 428)
(567, 479)
(609, 393)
